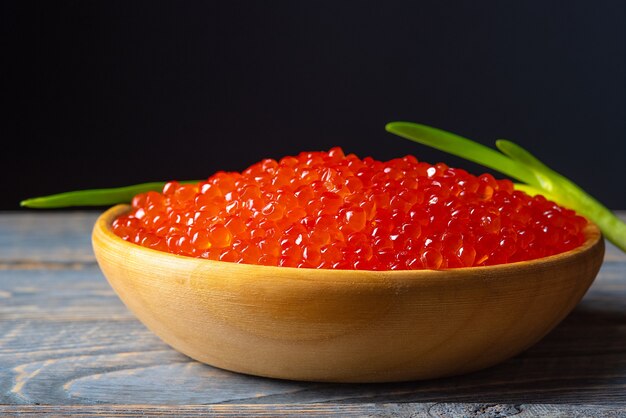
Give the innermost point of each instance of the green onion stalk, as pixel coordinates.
(95, 197)
(519, 164)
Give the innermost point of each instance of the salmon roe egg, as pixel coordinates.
(336, 211)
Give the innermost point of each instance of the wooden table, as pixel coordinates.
(69, 347)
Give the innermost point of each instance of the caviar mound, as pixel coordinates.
(329, 210)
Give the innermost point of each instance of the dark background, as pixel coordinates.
(114, 93)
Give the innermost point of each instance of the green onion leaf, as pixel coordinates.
(94, 197)
(520, 164)
(462, 147)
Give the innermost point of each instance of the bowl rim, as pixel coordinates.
(593, 235)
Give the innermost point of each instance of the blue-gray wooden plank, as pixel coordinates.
(66, 340)
(39, 237)
(412, 410)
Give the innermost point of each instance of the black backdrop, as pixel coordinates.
(114, 93)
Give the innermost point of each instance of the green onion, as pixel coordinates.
(94, 197)
(517, 163)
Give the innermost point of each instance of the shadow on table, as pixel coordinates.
(579, 362)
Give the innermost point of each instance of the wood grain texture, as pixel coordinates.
(46, 239)
(365, 410)
(68, 343)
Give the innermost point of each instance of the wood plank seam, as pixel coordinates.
(45, 265)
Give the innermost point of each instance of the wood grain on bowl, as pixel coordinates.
(342, 325)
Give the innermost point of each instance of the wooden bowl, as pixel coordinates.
(342, 325)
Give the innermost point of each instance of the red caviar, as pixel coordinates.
(329, 210)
